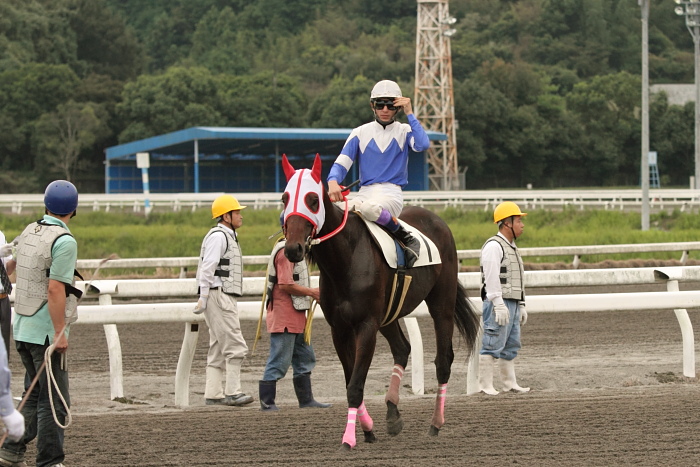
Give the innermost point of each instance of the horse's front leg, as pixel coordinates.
(365, 342)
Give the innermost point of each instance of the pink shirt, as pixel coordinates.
(283, 315)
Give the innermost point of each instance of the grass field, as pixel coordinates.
(171, 234)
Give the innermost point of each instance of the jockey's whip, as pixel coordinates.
(347, 188)
(47, 357)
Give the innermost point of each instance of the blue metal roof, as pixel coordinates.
(241, 141)
(251, 148)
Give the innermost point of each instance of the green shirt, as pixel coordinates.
(64, 254)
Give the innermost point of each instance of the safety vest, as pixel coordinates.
(300, 276)
(230, 267)
(511, 273)
(33, 266)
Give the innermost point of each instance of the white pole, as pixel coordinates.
(645, 115)
(143, 162)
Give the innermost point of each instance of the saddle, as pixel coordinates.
(394, 256)
(429, 253)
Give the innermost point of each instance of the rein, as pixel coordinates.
(316, 241)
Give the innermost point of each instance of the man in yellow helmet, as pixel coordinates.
(220, 281)
(503, 294)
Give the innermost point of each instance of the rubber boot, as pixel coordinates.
(302, 386)
(267, 392)
(411, 245)
(486, 375)
(508, 376)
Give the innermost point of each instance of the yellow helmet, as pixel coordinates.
(224, 204)
(506, 209)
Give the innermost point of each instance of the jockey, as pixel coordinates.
(381, 148)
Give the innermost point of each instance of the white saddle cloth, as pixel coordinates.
(429, 253)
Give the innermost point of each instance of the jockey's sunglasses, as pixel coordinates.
(379, 105)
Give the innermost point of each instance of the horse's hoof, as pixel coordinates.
(345, 447)
(394, 427)
(433, 431)
(370, 437)
(394, 422)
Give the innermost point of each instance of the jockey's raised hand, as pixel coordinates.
(335, 191)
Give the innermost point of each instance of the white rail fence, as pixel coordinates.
(110, 315)
(659, 199)
(576, 252)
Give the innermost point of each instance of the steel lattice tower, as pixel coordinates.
(434, 96)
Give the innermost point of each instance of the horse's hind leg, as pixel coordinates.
(444, 327)
(400, 349)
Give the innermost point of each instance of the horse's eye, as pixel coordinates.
(311, 201)
(285, 198)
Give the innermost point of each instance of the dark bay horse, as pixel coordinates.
(356, 285)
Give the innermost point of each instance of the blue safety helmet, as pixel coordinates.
(61, 197)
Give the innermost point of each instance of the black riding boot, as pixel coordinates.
(302, 386)
(411, 245)
(267, 392)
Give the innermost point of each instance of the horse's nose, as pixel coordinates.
(294, 252)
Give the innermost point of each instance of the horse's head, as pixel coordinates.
(304, 212)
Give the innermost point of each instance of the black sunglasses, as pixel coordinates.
(379, 105)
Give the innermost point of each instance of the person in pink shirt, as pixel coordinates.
(289, 299)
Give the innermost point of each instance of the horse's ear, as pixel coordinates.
(287, 167)
(316, 169)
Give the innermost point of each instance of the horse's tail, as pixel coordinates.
(466, 317)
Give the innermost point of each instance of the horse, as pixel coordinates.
(356, 284)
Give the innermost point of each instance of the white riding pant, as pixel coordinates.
(371, 199)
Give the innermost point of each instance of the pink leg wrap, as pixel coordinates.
(366, 422)
(439, 414)
(392, 395)
(349, 435)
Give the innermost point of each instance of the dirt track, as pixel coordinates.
(607, 389)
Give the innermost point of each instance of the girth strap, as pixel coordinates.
(399, 289)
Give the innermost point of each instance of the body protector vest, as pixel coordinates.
(230, 267)
(511, 272)
(33, 266)
(300, 276)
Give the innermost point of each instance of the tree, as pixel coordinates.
(672, 135)
(104, 43)
(60, 137)
(344, 104)
(35, 31)
(177, 99)
(218, 45)
(608, 108)
(262, 100)
(25, 94)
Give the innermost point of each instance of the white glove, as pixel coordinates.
(501, 311)
(6, 250)
(201, 304)
(523, 314)
(14, 425)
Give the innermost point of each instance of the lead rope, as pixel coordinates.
(52, 381)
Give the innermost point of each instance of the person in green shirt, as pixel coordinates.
(45, 306)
